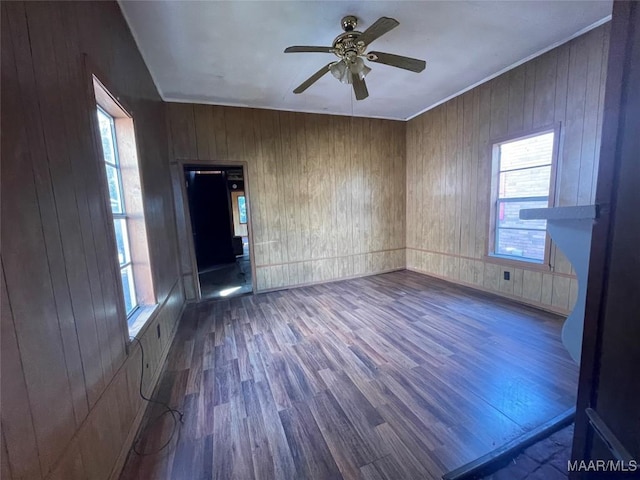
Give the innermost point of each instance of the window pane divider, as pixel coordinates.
(524, 168)
(523, 228)
(523, 199)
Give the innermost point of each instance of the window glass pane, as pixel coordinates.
(527, 244)
(122, 240)
(113, 179)
(509, 215)
(106, 134)
(532, 182)
(528, 152)
(130, 302)
(242, 209)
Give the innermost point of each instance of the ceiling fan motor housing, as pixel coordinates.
(346, 45)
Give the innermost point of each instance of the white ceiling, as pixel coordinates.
(231, 52)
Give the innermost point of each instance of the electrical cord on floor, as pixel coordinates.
(176, 414)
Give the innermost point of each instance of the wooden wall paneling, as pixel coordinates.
(529, 93)
(532, 286)
(357, 190)
(547, 289)
(304, 230)
(283, 206)
(71, 466)
(603, 78)
(17, 420)
(342, 170)
(417, 193)
(58, 255)
(182, 136)
(466, 172)
(291, 176)
(474, 174)
(89, 201)
(272, 153)
(589, 157)
(68, 266)
(177, 182)
(334, 168)
(203, 127)
(377, 239)
(304, 203)
(386, 180)
(367, 187)
(516, 99)
(89, 30)
(451, 166)
(411, 193)
(574, 122)
(484, 171)
(40, 344)
(5, 469)
(499, 119)
(218, 138)
(532, 95)
(544, 89)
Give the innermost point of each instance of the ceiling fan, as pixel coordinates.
(350, 47)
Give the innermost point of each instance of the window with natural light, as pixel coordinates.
(123, 187)
(118, 208)
(522, 179)
(242, 209)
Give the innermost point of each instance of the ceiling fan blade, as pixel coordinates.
(313, 79)
(379, 28)
(360, 88)
(407, 63)
(305, 49)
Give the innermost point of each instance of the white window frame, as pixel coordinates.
(495, 200)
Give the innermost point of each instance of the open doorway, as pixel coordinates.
(219, 222)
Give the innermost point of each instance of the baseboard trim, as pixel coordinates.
(332, 280)
(524, 301)
(487, 463)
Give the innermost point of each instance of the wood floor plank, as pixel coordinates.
(392, 376)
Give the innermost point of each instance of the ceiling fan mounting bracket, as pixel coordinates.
(349, 23)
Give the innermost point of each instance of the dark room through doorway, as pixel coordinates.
(220, 229)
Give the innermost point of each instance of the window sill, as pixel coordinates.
(513, 262)
(140, 319)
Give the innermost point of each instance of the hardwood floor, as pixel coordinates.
(393, 376)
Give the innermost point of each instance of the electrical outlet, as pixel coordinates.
(507, 275)
(158, 328)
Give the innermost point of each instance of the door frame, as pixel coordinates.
(190, 247)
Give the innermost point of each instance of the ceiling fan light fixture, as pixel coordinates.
(341, 71)
(358, 67)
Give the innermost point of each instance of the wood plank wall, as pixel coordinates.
(70, 400)
(449, 167)
(327, 193)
